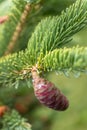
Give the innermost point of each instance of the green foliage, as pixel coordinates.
(1, 1)
(14, 68)
(50, 34)
(13, 121)
(66, 59)
(15, 13)
(54, 32)
(18, 66)
(9, 27)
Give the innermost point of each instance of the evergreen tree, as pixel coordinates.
(35, 39)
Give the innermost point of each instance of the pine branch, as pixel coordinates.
(9, 28)
(13, 121)
(54, 32)
(17, 67)
(18, 29)
(66, 59)
(17, 26)
(14, 68)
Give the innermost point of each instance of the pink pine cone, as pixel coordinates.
(48, 94)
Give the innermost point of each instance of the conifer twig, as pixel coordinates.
(13, 121)
(16, 67)
(55, 32)
(66, 59)
(18, 29)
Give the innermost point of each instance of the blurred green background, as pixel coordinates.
(74, 86)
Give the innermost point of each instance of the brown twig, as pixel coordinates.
(18, 29)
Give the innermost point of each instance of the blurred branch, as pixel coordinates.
(12, 120)
(18, 29)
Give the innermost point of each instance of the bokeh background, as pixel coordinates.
(73, 85)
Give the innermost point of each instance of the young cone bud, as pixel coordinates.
(48, 94)
(3, 19)
(3, 109)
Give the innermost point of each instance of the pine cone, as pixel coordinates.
(48, 94)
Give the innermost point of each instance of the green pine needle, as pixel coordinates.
(66, 59)
(14, 68)
(54, 32)
(13, 121)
